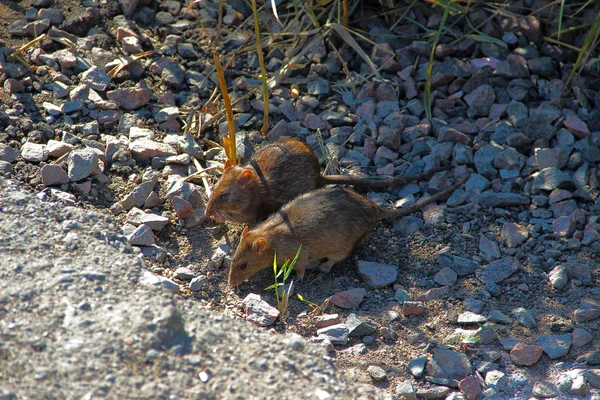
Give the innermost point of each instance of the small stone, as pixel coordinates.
(583, 315)
(182, 208)
(499, 270)
(544, 389)
(454, 364)
(144, 149)
(524, 317)
(7, 153)
(497, 316)
(413, 308)
(434, 294)
(417, 366)
(96, 78)
(377, 373)
(558, 277)
(53, 175)
(130, 98)
(405, 390)
(471, 318)
(388, 333)
(138, 196)
(550, 179)
(470, 387)
(513, 234)
(82, 163)
(34, 152)
(156, 281)
(141, 236)
(325, 320)
(258, 311)
(184, 273)
(525, 354)
(198, 283)
(576, 126)
(359, 328)
(555, 346)
(377, 275)
(580, 337)
(564, 226)
(462, 266)
(489, 249)
(349, 299)
(336, 334)
(491, 199)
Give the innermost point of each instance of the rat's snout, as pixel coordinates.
(210, 209)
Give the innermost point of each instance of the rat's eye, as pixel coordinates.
(243, 266)
(224, 196)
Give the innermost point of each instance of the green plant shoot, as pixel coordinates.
(283, 273)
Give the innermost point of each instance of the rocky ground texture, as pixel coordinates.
(494, 294)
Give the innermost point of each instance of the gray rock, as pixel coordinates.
(336, 334)
(198, 283)
(455, 365)
(258, 311)
(377, 373)
(471, 318)
(138, 196)
(446, 277)
(318, 87)
(34, 152)
(82, 163)
(406, 390)
(184, 273)
(95, 78)
(550, 179)
(53, 175)
(7, 153)
(359, 328)
(558, 277)
(417, 366)
(160, 282)
(141, 236)
(407, 225)
(555, 346)
(524, 317)
(499, 270)
(484, 160)
(349, 298)
(491, 199)
(377, 275)
(462, 266)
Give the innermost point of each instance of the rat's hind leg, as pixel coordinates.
(326, 264)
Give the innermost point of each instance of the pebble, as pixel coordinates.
(406, 390)
(53, 175)
(325, 320)
(95, 78)
(524, 317)
(470, 387)
(157, 281)
(555, 346)
(491, 199)
(377, 275)
(525, 354)
(498, 270)
(144, 149)
(434, 294)
(141, 236)
(198, 283)
(82, 163)
(34, 152)
(130, 98)
(471, 318)
(377, 373)
(7, 153)
(184, 273)
(513, 234)
(359, 328)
(138, 196)
(258, 311)
(462, 266)
(455, 365)
(544, 389)
(417, 366)
(446, 277)
(413, 308)
(349, 299)
(336, 334)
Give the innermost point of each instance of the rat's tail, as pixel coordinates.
(374, 182)
(422, 202)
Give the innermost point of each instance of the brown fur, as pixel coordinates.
(328, 223)
(276, 174)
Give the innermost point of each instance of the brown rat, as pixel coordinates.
(328, 223)
(276, 174)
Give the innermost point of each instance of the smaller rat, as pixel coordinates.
(328, 223)
(276, 174)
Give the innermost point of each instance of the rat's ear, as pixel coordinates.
(227, 164)
(245, 231)
(260, 245)
(246, 176)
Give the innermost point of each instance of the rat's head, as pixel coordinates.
(253, 254)
(231, 195)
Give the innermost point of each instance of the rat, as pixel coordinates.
(276, 174)
(327, 222)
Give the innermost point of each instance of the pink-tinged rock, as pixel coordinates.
(564, 227)
(141, 236)
(84, 187)
(128, 6)
(258, 311)
(349, 299)
(576, 126)
(57, 149)
(518, 139)
(145, 148)
(559, 195)
(182, 208)
(434, 294)
(54, 175)
(470, 387)
(513, 234)
(325, 320)
(581, 337)
(130, 98)
(377, 275)
(153, 200)
(413, 308)
(525, 354)
(586, 314)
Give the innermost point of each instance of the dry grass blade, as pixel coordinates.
(228, 141)
(589, 44)
(274, 7)
(123, 62)
(263, 72)
(427, 94)
(345, 35)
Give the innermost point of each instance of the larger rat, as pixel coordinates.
(276, 174)
(327, 222)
